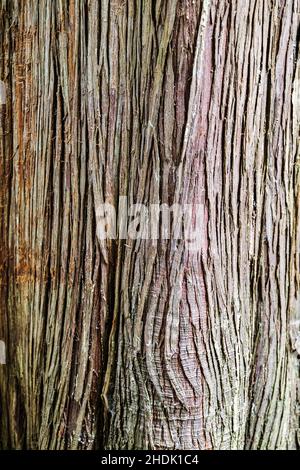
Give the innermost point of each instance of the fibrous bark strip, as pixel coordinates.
(142, 343)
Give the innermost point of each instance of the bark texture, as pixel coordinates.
(133, 344)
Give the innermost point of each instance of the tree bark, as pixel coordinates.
(144, 344)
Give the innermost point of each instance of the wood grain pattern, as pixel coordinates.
(129, 344)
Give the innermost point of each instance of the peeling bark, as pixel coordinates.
(129, 344)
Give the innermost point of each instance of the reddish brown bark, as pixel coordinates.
(143, 343)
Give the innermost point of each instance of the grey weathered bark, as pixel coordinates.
(142, 344)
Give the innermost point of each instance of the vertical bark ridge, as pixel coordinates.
(163, 102)
(53, 322)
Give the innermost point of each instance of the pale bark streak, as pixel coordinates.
(163, 102)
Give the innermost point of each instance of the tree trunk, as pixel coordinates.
(143, 343)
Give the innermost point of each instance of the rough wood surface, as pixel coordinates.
(136, 343)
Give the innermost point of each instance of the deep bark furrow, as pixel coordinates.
(134, 343)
